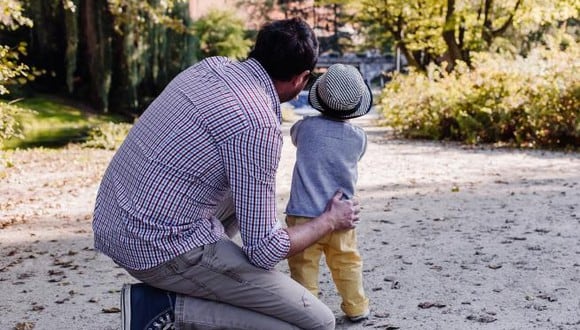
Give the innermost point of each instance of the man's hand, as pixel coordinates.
(342, 213)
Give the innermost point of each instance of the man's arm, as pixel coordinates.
(339, 215)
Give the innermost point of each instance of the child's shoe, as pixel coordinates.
(362, 317)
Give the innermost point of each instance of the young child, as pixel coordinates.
(328, 150)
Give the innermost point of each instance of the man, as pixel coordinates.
(200, 162)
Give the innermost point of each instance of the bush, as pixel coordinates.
(532, 101)
(9, 125)
(107, 136)
(52, 122)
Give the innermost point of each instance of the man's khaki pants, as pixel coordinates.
(220, 289)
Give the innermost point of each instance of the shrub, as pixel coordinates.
(107, 136)
(9, 125)
(532, 101)
(46, 121)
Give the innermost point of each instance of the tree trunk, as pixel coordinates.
(453, 53)
(397, 33)
(72, 42)
(486, 32)
(97, 27)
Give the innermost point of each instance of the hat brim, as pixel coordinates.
(363, 108)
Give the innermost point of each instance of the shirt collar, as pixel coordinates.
(258, 70)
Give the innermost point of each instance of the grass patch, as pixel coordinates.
(52, 123)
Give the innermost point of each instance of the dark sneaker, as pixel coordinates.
(144, 307)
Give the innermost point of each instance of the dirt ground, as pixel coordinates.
(452, 237)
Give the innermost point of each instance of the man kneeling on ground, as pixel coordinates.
(198, 165)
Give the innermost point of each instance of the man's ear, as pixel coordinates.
(301, 78)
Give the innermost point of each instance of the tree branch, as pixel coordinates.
(508, 23)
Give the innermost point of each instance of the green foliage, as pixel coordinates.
(9, 126)
(12, 70)
(418, 23)
(115, 55)
(153, 42)
(532, 102)
(429, 31)
(221, 33)
(11, 15)
(143, 13)
(108, 135)
(50, 123)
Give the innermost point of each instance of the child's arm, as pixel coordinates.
(294, 131)
(364, 148)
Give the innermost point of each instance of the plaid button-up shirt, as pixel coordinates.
(215, 127)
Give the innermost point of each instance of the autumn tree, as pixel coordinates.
(221, 33)
(448, 31)
(328, 18)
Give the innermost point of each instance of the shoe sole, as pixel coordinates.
(126, 307)
(364, 316)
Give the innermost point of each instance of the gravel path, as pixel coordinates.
(452, 238)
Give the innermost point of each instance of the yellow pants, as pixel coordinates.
(344, 262)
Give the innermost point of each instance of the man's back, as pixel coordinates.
(163, 185)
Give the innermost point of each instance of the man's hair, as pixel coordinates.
(286, 48)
